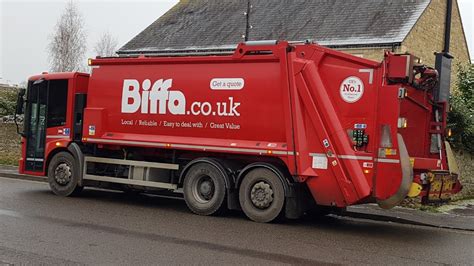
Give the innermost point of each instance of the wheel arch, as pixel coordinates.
(232, 196)
(294, 203)
(78, 155)
(212, 161)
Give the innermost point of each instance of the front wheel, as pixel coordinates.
(62, 175)
(262, 195)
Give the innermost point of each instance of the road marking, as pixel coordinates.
(23, 180)
(10, 213)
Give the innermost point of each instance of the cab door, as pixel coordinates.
(35, 125)
(46, 117)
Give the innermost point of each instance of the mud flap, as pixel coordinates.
(453, 166)
(407, 178)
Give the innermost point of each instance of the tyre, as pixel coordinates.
(262, 195)
(204, 189)
(63, 175)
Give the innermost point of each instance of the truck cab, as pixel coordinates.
(50, 117)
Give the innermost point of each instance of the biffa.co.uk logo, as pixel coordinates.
(157, 98)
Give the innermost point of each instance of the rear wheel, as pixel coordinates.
(204, 189)
(62, 175)
(261, 195)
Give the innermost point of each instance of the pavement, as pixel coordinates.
(108, 227)
(457, 215)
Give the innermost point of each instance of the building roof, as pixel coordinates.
(204, 23)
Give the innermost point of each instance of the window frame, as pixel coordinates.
(59, 106)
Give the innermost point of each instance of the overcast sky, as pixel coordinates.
(25, 27)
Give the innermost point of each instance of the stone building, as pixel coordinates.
(361, 27)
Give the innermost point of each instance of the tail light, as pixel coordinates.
(386, 138)
(386, 142)
(402, 122)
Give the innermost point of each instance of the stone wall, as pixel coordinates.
(375, 54)
(427, 37)
(466, 168)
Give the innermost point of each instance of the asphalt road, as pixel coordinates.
(104, 227)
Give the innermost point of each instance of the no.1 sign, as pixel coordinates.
(352, 89)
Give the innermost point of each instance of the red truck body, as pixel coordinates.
(349, 130)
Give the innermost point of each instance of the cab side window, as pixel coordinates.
(57, 103)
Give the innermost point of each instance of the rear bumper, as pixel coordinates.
(439, 186)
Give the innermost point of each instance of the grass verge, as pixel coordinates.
(9, 144)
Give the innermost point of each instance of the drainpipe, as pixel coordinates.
(444, 60)
(447, 26)
(247, 21)
(443, 90)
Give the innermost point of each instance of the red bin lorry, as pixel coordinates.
(272, 128)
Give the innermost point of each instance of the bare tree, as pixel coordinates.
(106, 46)
(67, 46)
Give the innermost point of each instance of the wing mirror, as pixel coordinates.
(20, 101)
